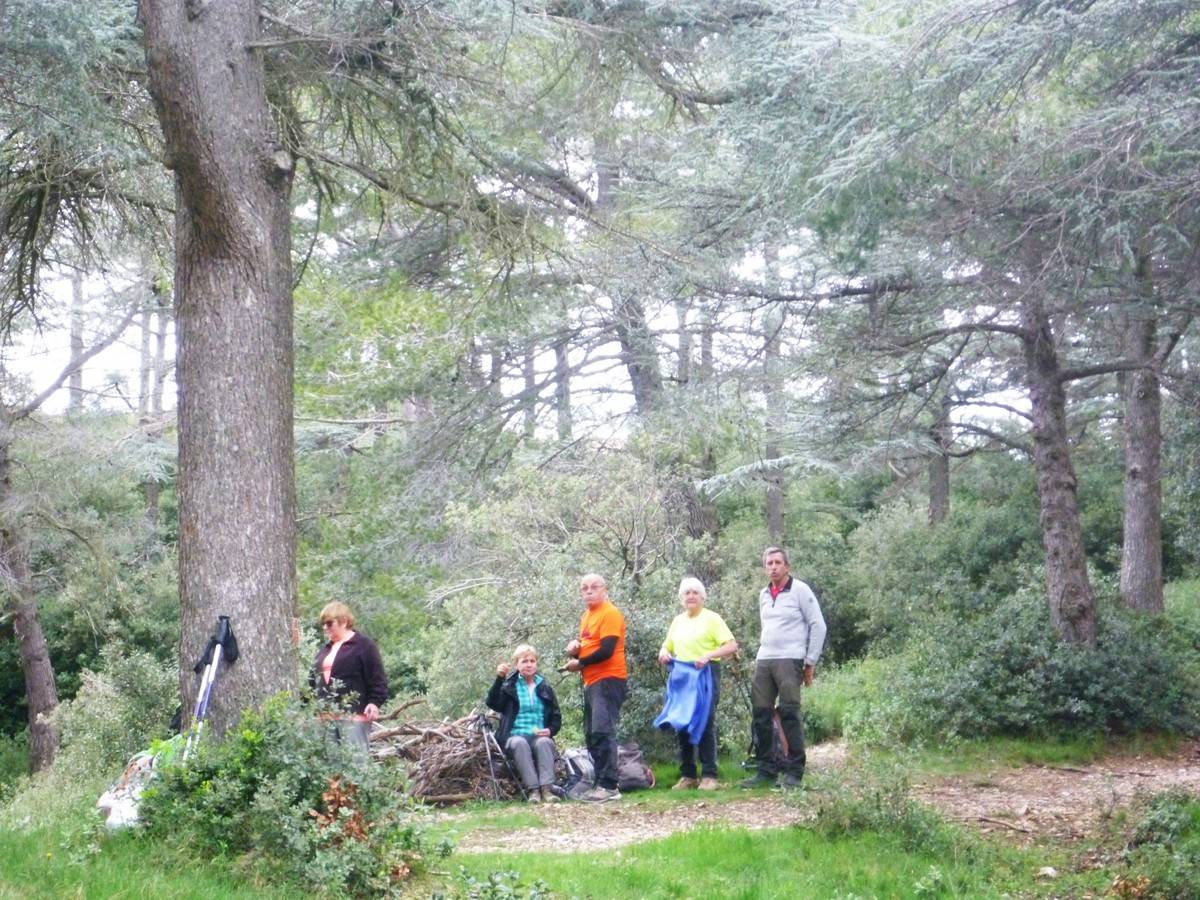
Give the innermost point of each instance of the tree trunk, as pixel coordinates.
(638, 351)
(639, 354)
(939, 465)
(153, 415)
(1068, 591)
(562, 389)
(145, 363)
(707, 330)
(683, 371)
(40, 692)
(772, 326)
(75, 385)
(529, 396)
(234, 327)
(1141, 558)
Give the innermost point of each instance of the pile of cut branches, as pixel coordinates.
(448, 761)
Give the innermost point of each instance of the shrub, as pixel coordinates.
(119, 710)
(1006, 672)
(1164, 852)
(279, 793)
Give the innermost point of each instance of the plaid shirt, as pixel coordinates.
(532, 714)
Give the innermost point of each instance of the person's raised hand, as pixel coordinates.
(502, 670)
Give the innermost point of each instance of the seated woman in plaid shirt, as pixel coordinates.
(529, 719)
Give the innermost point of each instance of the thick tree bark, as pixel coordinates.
(1068, 591)
(234, 327)
(41, 694)
(939, 465)
(1141, 558)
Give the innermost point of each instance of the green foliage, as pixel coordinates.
(863, 800)
(14, 762)
(496, 886)
(281, 794)
(1005, 672)
(1164, 849)
(521, 557)
(119, 710)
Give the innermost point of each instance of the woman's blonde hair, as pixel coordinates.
(524, 650)
(692, 584)
(336, 610)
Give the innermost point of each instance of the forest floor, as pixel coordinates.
(1025, 803)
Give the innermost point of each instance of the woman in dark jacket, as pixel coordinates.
(348, 671)
(529, 719)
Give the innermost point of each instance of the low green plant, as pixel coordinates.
(14, 761)
(503, 885)
(1163, 854)
(282, 795)
(878, 799)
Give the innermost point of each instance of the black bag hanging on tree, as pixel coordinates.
(221, 644)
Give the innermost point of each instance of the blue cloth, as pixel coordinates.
(689, 700)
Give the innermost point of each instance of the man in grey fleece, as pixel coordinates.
(793, 633)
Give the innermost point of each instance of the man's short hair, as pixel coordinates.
(592, 576)
(770, 551)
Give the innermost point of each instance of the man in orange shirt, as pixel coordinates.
(599, 654)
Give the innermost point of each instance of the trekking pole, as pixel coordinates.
(484, 731)
(222, 643)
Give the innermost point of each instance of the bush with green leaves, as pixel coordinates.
(282, 795)
(120, 709)
(1164, 851)
(1006, 672)
(878, 799)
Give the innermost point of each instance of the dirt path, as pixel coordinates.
(1062, 802)
(1027, 803)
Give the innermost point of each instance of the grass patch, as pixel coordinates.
(55, 864)
(790, 862)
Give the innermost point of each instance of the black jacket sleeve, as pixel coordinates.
(495, 697)
(375, 687)
(608, 646)
(553, 717)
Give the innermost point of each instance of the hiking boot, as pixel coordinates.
(534, 796)
(601, 795)
(790, 781)
(708, 783)
(685, 784)
(757, 781)
(548, 796)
